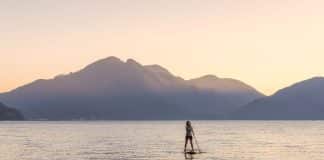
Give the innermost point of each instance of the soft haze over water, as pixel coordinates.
(158, 140)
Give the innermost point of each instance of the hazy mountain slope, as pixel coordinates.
(304, 100)
(11, 114)
(113, 89)
(235, 91)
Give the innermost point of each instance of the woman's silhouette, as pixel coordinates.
(189, 134)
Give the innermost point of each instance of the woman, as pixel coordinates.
(189, 134)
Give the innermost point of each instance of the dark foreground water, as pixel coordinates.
(159, 140)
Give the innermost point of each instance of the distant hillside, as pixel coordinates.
(113, 89)
(9, 114)
(301, 101)
(241, 92)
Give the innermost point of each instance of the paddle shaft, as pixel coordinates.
(196, 141)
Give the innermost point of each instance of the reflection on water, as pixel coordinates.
(161, 140)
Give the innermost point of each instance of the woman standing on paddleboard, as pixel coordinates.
(189, 134)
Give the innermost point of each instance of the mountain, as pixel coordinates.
(113, 89)
(241, 92)
(301, 101)
(225, 94)
(9, 114)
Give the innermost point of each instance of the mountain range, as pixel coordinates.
(113, 89)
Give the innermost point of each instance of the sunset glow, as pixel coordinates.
(267, 44)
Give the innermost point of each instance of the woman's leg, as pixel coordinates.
(186, 141)
(192, 147)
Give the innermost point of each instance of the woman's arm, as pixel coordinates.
(193, 133)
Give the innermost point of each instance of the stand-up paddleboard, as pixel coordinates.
(193, 152)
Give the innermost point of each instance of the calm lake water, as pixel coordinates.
(161, 140)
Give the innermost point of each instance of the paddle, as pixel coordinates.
(194, 135)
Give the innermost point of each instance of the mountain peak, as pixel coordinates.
(157, 69)
(205, 78)
(110, 59)
(103, 63)
(209, 76)
(215, 83)
(133, 62)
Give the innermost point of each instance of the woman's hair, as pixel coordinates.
(188, 123)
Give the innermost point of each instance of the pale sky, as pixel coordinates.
(268, 44)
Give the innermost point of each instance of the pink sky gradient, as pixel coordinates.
(267, 44)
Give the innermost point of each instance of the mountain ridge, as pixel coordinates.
(109, 88)
(300, 101)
